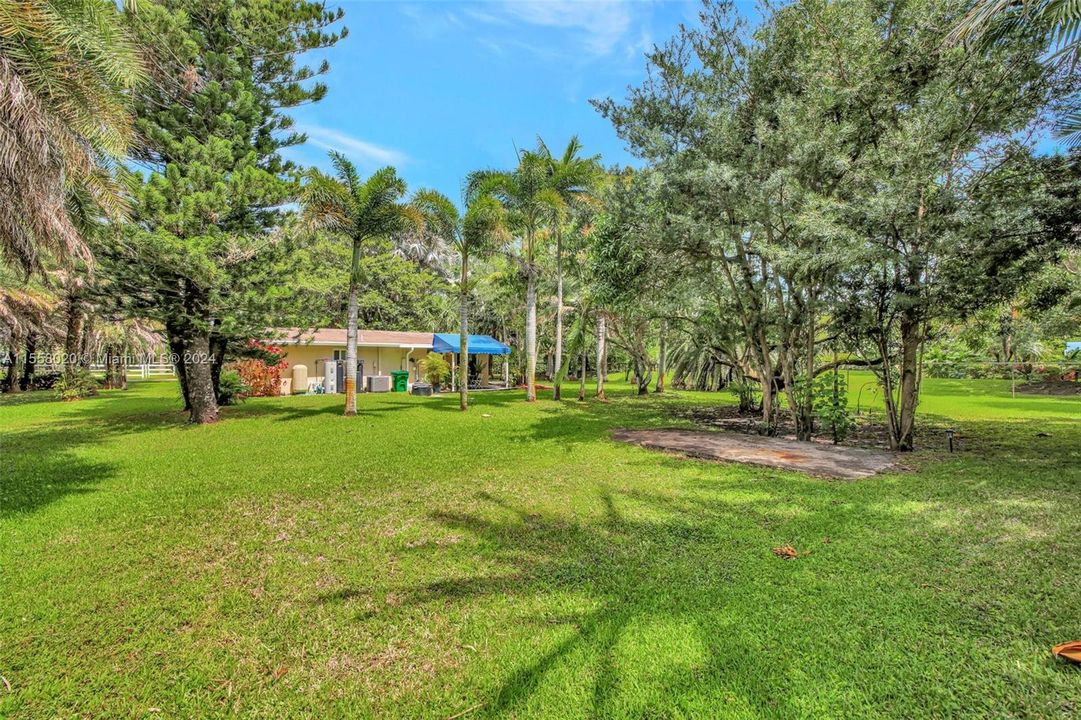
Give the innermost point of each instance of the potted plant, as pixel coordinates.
(435, 369)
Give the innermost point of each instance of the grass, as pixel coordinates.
(513, 561)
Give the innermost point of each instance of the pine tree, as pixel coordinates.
(201, 255)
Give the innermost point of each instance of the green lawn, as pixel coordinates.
(416, 562)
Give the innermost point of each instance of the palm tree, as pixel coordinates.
(115, 339)
(27, 323)
(361, 210)
(532, 197)
(66, 70)
(1058, 21)
(479, 229)
(574, 178)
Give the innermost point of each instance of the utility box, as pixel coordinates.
(379, 383)
(422, 389)
(400, 380)
(330, 376)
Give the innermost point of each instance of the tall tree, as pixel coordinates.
(364, 211)
(574, 178)
(482, 227)
(66, 73)
(201, 256)
(533, 203)
(838, 143)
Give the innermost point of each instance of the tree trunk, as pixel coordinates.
(204, 405)
(556, 391)
(26, 382)
(218, 346)
(463, 338)
(910, 345)
(116, 376)
(604, 358)
(641, 376)
(602, 353)
(110, 368)
(531, 336)
(662, 360)
(349, 372)
(11, 382)
(582, 373)
(178, 349)
(84, 341)
(73, 336)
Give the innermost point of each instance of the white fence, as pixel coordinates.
(143, 370)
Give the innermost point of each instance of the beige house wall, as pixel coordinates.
(377, 360)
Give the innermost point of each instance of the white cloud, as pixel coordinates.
(600, 23)
(591, 28)
(360, 151)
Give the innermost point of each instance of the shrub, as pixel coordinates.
(45, 380)
(747, 392)
(231, 388)
(950, 361)
(259, 350)
(435, 368)
(262, 379)
(81, 384)
(1050, 373)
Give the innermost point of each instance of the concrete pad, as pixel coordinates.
(847, 463)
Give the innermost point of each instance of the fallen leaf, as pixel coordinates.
(786, 552)
(280, 672)
(1068, 651)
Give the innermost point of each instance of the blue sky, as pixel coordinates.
(442, 88)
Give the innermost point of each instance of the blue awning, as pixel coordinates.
(476, 345)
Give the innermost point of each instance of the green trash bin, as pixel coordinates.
(399, 380)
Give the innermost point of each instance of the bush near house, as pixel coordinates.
(260, 370)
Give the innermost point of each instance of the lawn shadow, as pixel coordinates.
(44, 459)
(694, 555)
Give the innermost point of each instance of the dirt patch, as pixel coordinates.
(867, 432)
(1051, 387)
(847, 463)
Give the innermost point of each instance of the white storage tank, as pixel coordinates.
(300, 379)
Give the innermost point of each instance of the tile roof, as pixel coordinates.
(336, 336)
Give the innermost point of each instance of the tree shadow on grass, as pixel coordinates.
(43, 458)
(934, 570)
(43, 465)
(633, 573)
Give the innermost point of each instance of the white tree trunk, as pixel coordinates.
(559, 315)
(602, 335)
(662, 357)
(531, 336)
(463, 339)
(349, 372)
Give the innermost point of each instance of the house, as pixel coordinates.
(378, 351)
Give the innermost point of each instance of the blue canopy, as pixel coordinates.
(476, 345)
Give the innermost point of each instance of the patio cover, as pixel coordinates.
(478, 344)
